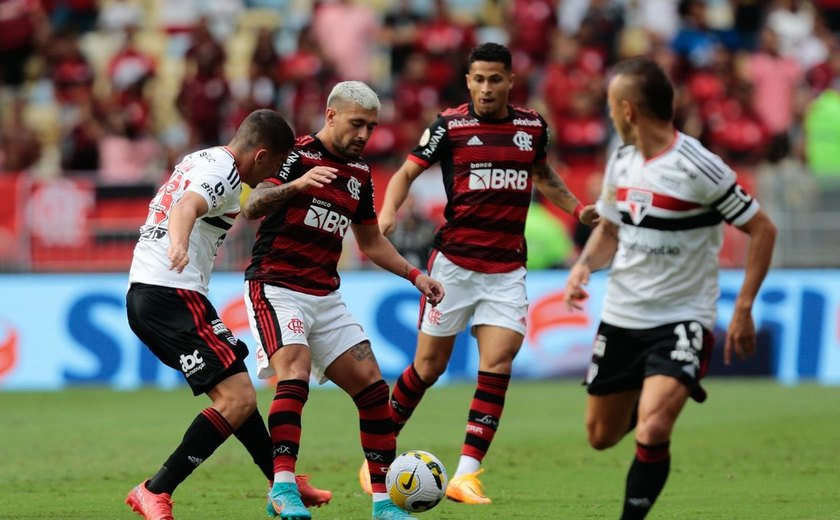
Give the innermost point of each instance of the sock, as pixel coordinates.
(467, 464)
(406, 395)
(376, 430)
(206, 433)
(485, 412)
(285, 477)
(645, 479)
(254, 436)
(284, 423)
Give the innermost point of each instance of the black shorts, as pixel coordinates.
(623, 358)
(182, 329)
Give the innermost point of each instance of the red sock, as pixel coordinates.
(284, 422)
(406, 395)
(485, 412)
(377, 432)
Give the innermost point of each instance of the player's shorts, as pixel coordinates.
(497, 299)
(182, 329)
(623, 358)
(281, 316)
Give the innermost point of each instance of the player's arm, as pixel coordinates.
(267, 197)
(379, 249)
(740, 336)
(396, 193)
(549, 183)
(189, 208)
(597, 253)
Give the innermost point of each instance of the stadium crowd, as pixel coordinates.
(119, 89)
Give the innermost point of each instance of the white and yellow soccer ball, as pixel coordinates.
(416, 481)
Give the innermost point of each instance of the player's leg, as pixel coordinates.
(357, 373)
(430, 361)
(497, 348)
(182, 328)
(499, 319)
(662, 400)
(278, 321)
(675, 360)
(609, 417)
(438, 327)
(291, 364)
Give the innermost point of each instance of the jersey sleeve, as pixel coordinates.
(719, 188)
(217, 187)
(606, 204)
(433, 143)
(292, 169)
(366, 211)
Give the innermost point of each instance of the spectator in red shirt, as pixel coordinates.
(446, 43)
(204, 96)
(72, 75)
(305, 73)
(735, 132)
(23, 25)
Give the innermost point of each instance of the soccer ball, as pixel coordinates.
(416, 481)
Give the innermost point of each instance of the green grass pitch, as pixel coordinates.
(754, 450)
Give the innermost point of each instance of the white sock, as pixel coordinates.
(379, 497)
(286, 477)
(467, 465)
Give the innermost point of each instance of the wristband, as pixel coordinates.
(413, 274)
(578, 209)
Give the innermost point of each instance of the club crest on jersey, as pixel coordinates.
(354, 186)
(638, 203)
(523, 140)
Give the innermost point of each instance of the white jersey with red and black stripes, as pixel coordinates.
(212, 174)
(486, 166)
(670, 211)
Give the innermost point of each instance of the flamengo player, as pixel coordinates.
(295, 310)
(491, 154)
(663, 203)
(168, 307)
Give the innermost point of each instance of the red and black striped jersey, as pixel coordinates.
(486, 165)
(298, 246)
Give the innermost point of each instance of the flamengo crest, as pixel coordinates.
(523, 140)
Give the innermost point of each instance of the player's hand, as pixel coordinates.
(387, 221)
(317, 177)
(431, 288)
(589, 216)
(178, 258)
(574, 294)
(740, 336)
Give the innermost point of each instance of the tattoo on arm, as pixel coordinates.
(553, 187)
(267, 198)
(362, 351)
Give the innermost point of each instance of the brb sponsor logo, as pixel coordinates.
(320, 216)
(484, 177)
(191, 363)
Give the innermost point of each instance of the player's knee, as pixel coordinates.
(600, 438)
(653, 430)
(430, 369)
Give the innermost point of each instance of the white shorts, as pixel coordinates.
(286, 317)
(497, 299)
